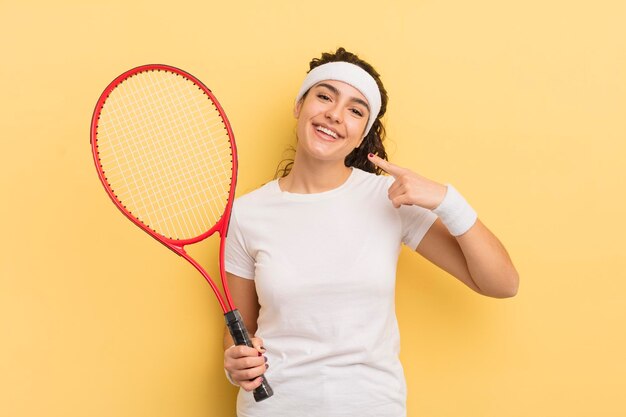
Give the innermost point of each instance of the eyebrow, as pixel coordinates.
(337, 92)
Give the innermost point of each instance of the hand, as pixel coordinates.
(409, 188)
(246, 365)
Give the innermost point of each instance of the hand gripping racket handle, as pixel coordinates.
(240, 336)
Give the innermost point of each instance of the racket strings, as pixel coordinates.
(166, 153)
(168, 131)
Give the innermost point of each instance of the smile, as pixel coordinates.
(327, 131)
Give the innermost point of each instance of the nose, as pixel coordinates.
(333, 113)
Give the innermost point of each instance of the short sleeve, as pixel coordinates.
(237, 258)
(416, 221)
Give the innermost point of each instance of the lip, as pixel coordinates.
(324, 135)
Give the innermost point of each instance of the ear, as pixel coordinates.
(297, 108)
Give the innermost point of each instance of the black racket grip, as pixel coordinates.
(240, 335)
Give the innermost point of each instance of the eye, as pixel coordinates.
(323, 96)
(357, 112)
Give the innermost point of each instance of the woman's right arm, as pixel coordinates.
(244, 364)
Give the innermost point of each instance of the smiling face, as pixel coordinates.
(331, 120)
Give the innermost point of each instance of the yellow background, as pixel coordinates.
(519, 104)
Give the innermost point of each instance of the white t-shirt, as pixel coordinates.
(324, 267)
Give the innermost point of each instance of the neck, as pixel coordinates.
(308, 177)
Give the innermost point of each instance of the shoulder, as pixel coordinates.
(257, 196)
(371, 182)
(257, 204)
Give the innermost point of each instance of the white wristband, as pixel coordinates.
(455, 213)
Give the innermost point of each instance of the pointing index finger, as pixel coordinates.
(388, 167)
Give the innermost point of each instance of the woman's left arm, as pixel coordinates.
(475, 257)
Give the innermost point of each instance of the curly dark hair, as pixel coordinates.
(373, 142)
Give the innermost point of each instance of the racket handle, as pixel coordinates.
(240, 336)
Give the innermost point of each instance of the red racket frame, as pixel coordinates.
(174, 244)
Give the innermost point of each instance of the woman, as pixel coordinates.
(312, 256)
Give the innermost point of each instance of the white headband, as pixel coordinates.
(351, 74)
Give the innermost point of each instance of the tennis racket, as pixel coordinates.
(165, 154)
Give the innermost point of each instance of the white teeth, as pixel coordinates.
(327, 131)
